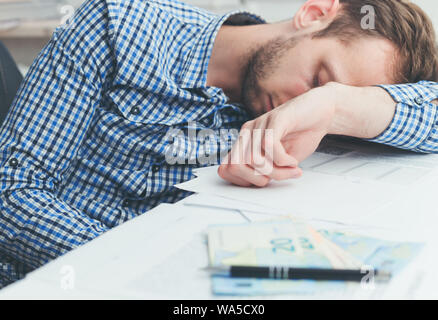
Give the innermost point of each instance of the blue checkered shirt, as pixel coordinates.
(415, 123)
(84, 146)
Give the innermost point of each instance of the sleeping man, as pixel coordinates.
(85, 144)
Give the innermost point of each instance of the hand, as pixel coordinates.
(271, 146)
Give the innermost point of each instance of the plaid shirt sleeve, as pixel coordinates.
(415, 123)
(39, 139)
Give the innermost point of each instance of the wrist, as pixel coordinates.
(361, 112)
(334, 94)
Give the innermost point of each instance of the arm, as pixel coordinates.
(367, 114)
(292, 132)
(42, 136)
(403, 116)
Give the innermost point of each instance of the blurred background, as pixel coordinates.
(26, 25)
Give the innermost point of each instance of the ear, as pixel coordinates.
(315, 12)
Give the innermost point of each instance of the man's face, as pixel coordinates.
(284, 69)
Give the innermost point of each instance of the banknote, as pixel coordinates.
(296, 244)
(389, 255)
(286, 242)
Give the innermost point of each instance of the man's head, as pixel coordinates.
(355, 42)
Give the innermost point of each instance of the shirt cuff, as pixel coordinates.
(415, 115)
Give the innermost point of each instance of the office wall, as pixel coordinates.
(26, 48)
(431, 8)
(271, 10)
(274, 10)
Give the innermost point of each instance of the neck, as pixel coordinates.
(232, 50)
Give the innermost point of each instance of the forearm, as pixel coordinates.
(362, 112)
(403, 116)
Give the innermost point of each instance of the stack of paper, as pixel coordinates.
(343, 181)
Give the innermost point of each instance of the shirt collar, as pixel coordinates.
(194, 73)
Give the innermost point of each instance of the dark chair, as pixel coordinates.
(10, 80)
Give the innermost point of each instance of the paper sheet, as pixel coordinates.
(158, 256)
(339, 183)
(212, 201)
(315, 195)
(365, 161)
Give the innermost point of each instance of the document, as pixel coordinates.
(368, 161)
(344, 181)
(212, 201)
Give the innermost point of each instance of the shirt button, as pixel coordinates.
(13, 163)
(135, 111)
(419, 100)
(155, 168)
(126, 203)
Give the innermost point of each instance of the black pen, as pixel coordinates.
(284, 273)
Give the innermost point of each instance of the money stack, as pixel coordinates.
(293, 243)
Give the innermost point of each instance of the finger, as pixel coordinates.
(258, 159)
(226, 160)
(248, 174)
(254, 153)
(275, 151)
(260, 163)
(246, 134)
(279, 173)
(303, 148)
(284, 173)
(237, 151)
(224, 174)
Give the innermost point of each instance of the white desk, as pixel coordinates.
(158, 256)
(123, 255)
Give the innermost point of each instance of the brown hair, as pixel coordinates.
(400, 21)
